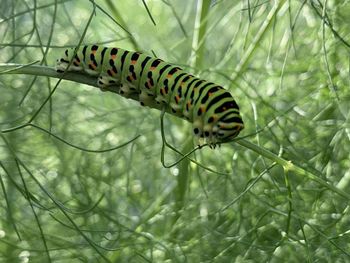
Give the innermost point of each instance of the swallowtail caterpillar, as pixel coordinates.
(158, 84)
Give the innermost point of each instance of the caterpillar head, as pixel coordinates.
(221, 121)
(229, 123)
(63, 62)
(224, 129)
(229, 127)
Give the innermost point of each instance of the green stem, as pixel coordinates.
(252, 47)
(289, 166)
(200, 29)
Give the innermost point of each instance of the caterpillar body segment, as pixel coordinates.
(158, 84)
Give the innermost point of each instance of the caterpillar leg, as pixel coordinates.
(176, 108)
(126, 90)
(210, 135)
(160, 99)
(62, 65)
(204, 134)
(201, 140)
(198, 132)
(68, 60)
(106, 81)
(146, 98)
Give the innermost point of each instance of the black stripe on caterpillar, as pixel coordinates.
(211, 108)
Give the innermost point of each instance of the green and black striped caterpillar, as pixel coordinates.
(212, 109)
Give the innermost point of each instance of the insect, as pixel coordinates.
(209, 107)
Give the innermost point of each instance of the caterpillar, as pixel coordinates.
(209, 107)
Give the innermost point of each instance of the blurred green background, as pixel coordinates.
(287, 63)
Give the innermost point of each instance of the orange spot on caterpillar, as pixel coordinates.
(133, 62)
(110, 72)
(92, 66)
(152, 68)
(113, 57)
